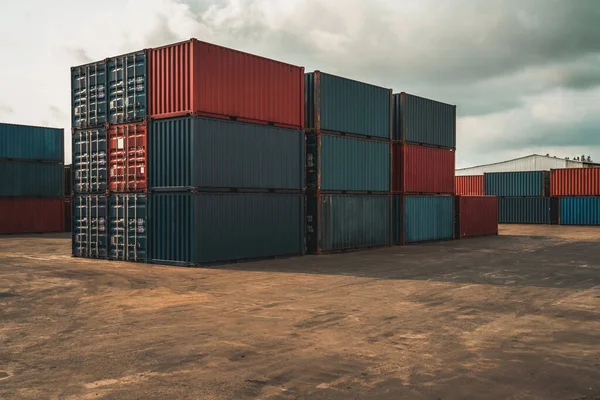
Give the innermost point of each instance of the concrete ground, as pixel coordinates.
(509, 317)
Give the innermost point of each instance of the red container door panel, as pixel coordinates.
(575, 182)
(31, 215)
(420, 169)
(478, 215)
(470, 185)
(127, 157)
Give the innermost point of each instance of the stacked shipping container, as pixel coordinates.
(577, 194)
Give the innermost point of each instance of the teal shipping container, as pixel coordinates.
(22, 142)
(336, 222)
(338, 105)
(89, 105)
(208, 228)
(517, 184)
(31, 179)
(128, 227)
(90, 226)
(524, 210)
(127, 85)
(580, 210)
(337, 163)
(417, 120)
(423, 218)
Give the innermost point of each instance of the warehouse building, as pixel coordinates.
(534, 162)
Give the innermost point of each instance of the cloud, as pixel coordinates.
(6, 109)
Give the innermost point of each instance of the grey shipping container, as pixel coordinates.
(128, 227)
(89, 160)
(89, 95)
(205, 228)
(422, 121)
(336, 222)
(31, 179)
(22, 142)
(214, 153)
(127, 84)
(340, 105)
(90, 226)
(517, 184)
(524, 210)
(336, 163)
(423, 218)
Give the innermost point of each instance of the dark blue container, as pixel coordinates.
(90, 226)
(89, 160)
(127, 88)
(517, 184)
(580, 210)
(524, 210)
(128, 225)
(22, 142)
(423, 218)
(31, 179)
(89, 95)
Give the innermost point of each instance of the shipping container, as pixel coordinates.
(204, 228)
(127, 156)
(422, 121)
(198, 77)
(423, 218)
(524, 210)
(89, 160)
(89, 95)
(68, 213)
(575, 182)
(476, 216)
(213, 153)
(337, 222)
(128, 227)
(340, 105)
(90, 226)
(555, 210)
(469, 185)
(31, 215)
(22, 142)
(127, 88)
(420, 169)
(337, 163)
(67, 180)
(517, 184)
(580, 210)
(31, 179)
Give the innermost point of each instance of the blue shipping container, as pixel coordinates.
(335, 104)
(214, 153)
(89, 95)
(580, 210)
(128, 227)
(204, 228)
(90, 226)
(524, 210)
(127, 88)
(337, 163)
(89, 160)
(423, 218)
(515, 184)
(31, 179)
(422, 121)
(31, 143)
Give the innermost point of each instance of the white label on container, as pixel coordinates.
(120, 144)
(142, 170)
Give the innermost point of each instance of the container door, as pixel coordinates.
(127, 88)
(312, 223)
(127, 157)
(89, 160)
(88, 95)
(90, 234)
(128, 227)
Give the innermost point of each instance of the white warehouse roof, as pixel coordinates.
(534, 162)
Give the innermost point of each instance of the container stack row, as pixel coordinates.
(31, 179)
(576, 196)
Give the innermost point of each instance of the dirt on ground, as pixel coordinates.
(515, 316)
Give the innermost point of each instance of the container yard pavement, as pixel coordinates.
(509, 317)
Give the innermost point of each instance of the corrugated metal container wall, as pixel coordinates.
(189, 229)
(423, 218)
(30, 179)
(128, 227)
(469, 185)
(423, 121)
(127, 157)
(524, 210)
(347, 164)
(31, 143)
(199, 77)
(216, 153)
(89, 95)
(476, 216)
(27, 215)
(419, 169)
(127, 88)
(575, 182)
(336, 104)
(515, 184)
(89, 160)
(580, 211)
(347, 222)
(90, 226)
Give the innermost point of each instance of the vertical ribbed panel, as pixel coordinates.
(30, 179)
(171, 79)
(309, 101)
(469, 185)
(128, 225)
(90, 226)
(31, 143)
(575, 182)
(580, 211)
(421, 169)
(171, 148)
(127, 88)
(514, 184)
(424, 218)
(89, 95)
(476, 215)
(172, 226)
(89, 160)
(27, 215)
(524, 210)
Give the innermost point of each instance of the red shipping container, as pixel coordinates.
(31, 215)
(469, 185)
(195, 77)
(476, 216)
(575, 182)
(420, 169)
(127, 157)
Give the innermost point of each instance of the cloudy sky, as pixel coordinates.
(525, 74)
